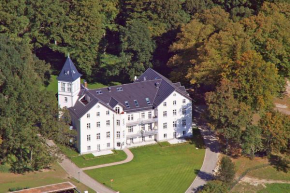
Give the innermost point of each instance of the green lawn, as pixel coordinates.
(276, 188)
(35, 179)
(154, 169)
(53, 84)
(90, 160)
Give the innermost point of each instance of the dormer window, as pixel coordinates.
(136, 103)
(99, 92)
(119, 89)
(148, 101)
(127, 104)
(117, 109)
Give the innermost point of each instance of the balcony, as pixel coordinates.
(142, 133)
(142, 121)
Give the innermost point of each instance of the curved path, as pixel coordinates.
(81, 176)
(210, 160)
(129, 158)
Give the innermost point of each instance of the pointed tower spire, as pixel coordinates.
(69, 72)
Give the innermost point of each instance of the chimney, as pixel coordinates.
(144, 78)
(135, 77)
(109, 89)
(85, 84)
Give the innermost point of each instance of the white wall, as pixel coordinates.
(71, 96)
(178, 117)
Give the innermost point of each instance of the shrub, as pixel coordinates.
(226, 172)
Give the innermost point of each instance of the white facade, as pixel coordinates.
(68, 92)
(102, 128)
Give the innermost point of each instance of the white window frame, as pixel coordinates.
(98, 136)
(164, 125)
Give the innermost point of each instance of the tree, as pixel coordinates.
(138, 47)
(215, 186)
(252, 140)
(258, 81)
(275, 131)
(226, 172)
(21, 108)
(225, 113)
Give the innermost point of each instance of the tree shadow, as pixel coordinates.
(204, 175)
(280, 163)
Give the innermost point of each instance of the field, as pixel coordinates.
(154, 169)
(35, 179)
(53, 84)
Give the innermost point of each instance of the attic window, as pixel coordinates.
(99, 92)
(66, 72)
(73, 71)
(127, 104)
(136, 103)
(119, 89)
(148, 101)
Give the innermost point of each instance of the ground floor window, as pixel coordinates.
(118, 144)
(108, 144)
(150, 136)
(88, 148)
(143, 138)
(183, 132)
(131, 140)
(165, 136)
(98, 147)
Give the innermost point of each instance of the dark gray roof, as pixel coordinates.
(155, 87)
(68, 72)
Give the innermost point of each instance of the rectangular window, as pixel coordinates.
(88, 125)
(183, 100)
(183, 110)
(88, 137)
(130, 129)
(108, 145)
(148, 101)
(98, 124)
(69, 87)
(174, 112)
(142, 127)
(149, 126)
(164, 125)
(128, 117)
(65, 99)
(165, 136)
(107, 112)
(136, 103)
(132, 117)
(88, 115)
(88, 148)
(118, 122)
(123, 134)
(108, 134)
(98, 136)
(164, 104)
(174, 124)
(118, 134)
(174, 102)
(183, 122)
(143, 115)
(98, 114)
(127, 104)
(108, 122)
(150, 136)
(63, 87)
(149, 115)
(164, 113)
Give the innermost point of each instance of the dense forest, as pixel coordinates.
(236, 52)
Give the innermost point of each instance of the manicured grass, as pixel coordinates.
(244, 187)
(90, 160)
(276, 188)
(270, 173)
(69, 152)
(35, 179)
(53, 84)
(154, 169)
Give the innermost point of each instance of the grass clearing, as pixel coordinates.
(244, 187)
(36, 179)
(53, 84)
(276, 188)
(87, 160)
(154, 169)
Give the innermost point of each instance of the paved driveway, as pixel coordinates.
(210, 160)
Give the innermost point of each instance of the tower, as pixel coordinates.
(68, 84)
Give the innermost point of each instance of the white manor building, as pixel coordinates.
(150, 108)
